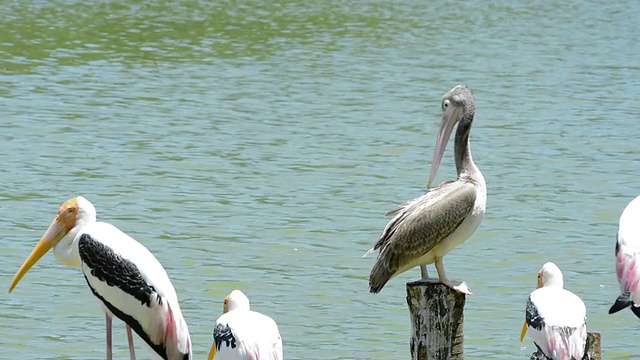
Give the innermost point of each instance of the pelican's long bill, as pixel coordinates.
(56, 231)
(450, 116)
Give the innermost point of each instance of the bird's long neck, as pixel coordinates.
(462, 151)
(66, 251)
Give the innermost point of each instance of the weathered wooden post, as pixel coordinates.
(592, 349)
(437, 316)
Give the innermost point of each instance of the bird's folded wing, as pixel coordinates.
(421, 224)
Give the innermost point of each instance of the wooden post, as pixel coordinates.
(437, 316)
(592, 349)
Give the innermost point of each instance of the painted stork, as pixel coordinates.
(628, 259)
(425, 229)
(242, 334)
(556, 318)
(127, 279)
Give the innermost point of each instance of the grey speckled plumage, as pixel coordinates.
(427, 227)
(418, 226)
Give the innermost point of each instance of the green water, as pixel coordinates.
(257, 145)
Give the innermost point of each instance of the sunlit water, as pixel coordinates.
(257, 146)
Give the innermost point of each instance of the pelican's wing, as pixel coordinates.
(418, 226)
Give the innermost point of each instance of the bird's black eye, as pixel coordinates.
(445, 104)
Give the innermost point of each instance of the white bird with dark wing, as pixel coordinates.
(242, 334)
(628, 259)
(128, 280)
(555, 317)
(425, 229)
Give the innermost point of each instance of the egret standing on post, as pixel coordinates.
(628, 259)
(425, 229)
(121, 273)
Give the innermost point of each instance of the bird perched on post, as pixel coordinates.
(555, 317)
(127, 279)
(243, 334)
(425, 229)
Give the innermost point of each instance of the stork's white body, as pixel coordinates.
(564, 330)
(127, 279)
(161, 319)
(243, 334)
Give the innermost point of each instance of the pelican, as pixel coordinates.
(426, 228)
(628, 259)
(242, 334)
(556, 318)
(126, 278)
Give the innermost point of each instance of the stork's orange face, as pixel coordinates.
(226, 305)
(63, 223)
(539, 279)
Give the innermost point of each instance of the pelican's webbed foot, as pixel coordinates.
(459, 286)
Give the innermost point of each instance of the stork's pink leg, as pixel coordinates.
(108, 320)
(132, 350)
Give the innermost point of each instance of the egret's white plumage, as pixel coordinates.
(128, 280)
(556, 318)
(627, 256)
(426, 228)
(243, 334)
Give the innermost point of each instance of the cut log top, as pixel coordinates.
(437, 316)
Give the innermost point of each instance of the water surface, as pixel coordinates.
(257, 145)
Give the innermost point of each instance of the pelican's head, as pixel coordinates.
(455, 103)
(549, 275)
(72, 214)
